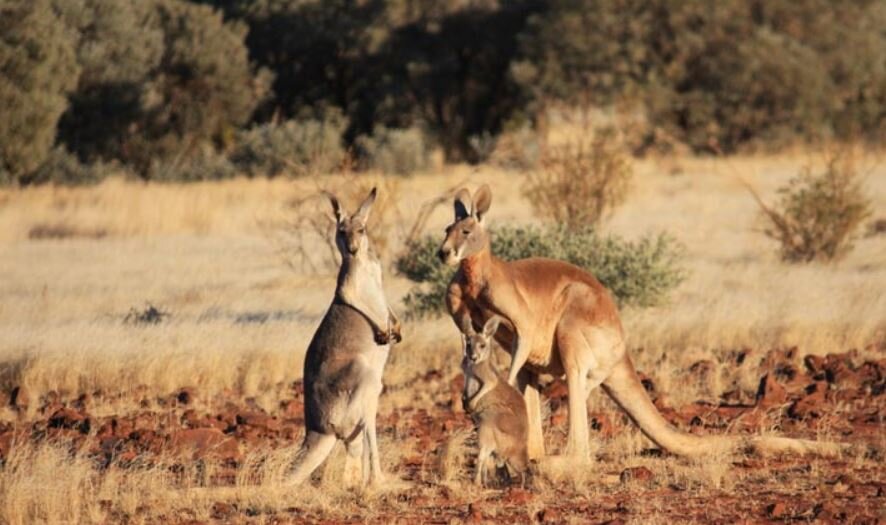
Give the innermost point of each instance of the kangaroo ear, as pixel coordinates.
(491, 326)
(463, 204)
(464, 342)
(336, 207)
(362, 213)
(482, 201)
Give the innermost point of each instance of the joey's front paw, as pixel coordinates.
(395, 336)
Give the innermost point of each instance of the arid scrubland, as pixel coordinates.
(243, 303)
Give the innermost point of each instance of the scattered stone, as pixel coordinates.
(557, 389)
(186, 396)
(6, 440)
(517, 496)
(811, 404)
(776, 510)
(549, 515)
(292, 408)
(258, 420)
(69, 418)
(642, 474)
(19, 398)
(770, 392)
(222, 510)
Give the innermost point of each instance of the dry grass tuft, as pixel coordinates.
(580, 182)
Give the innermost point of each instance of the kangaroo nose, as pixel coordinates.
(443, 254)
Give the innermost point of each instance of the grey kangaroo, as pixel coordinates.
(344, 362)
(497, 408)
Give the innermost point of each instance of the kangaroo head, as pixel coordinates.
(478, 346)
(467, 234)
(350, 232)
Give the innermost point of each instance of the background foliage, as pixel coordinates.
(134, 84)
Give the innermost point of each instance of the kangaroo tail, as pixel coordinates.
(625, 388)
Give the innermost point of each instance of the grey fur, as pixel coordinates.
(345, 360)
(497, 408)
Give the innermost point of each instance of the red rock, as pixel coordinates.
(601, 423)
(557, 390)
(456, 390)
(258, 420)
(636, 474)
(6, 440)
(127, 456)
(19, 398)
(770, 392)
(70, 419)
(51, 407)
(812, 404)
(549, 515)
(560, 416)
(776, 510)
(292, 408)
(186, 395)
(221, 510)
(517, 496)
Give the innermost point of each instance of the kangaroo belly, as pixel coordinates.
(342, 367)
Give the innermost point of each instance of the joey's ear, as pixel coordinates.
(336, 207)
(464, 342)
(362, 213)
(463, 204)
(491, 326)
(482, 201)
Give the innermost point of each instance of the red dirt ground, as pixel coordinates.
(836, 393)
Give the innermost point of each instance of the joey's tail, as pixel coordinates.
(625, 388)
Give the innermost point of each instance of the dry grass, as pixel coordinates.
(241, 320)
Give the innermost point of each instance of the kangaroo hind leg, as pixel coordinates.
(314, 451)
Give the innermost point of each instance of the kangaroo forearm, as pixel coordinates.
(519, 356)
(378, 320)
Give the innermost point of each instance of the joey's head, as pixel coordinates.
(351, 238)
(467, 235)
(478, 347)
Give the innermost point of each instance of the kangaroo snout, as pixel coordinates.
(443, 254)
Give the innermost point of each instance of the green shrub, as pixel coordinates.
(715, 75)
(61, 167)
(161, 78)
(38, 68)
(398, 151)
(206, 164)
(639, 273)
(297, 147)
(819, 213)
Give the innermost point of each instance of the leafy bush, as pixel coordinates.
(161, 78)
(296, 146)
(819, 213)
(715, 75)
(38, 68)
(579, 183)
(638, 273)
(61, 167)
(206, 164)
(399, 151)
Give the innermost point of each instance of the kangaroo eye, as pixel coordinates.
(466, 232)
(361, 230)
